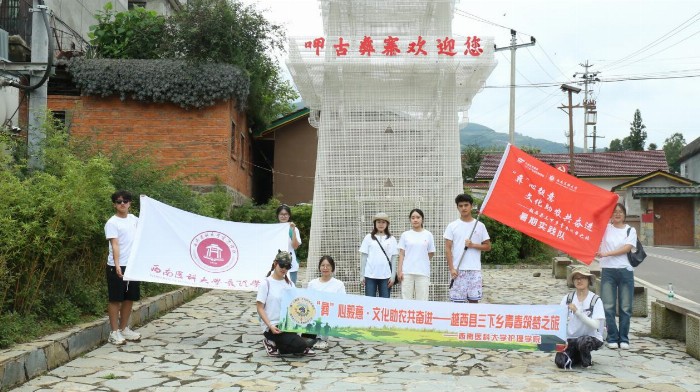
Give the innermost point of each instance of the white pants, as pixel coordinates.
(415, 287)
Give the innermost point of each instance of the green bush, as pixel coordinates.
(62, 311)
(265, 213)
(505, 243)
(15, 327)
(134, 34)
(52, 246)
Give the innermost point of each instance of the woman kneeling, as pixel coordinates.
(586, 318)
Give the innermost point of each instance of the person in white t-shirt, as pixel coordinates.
(378, 258)
(327, 283)
(465, 239)
(416, 250)
(617, 277)
(585, 321)
(284, 215)
(269, 306)
(120, 231)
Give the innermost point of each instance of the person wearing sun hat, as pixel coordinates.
(269, 305)
(585, 321)
(378, 257)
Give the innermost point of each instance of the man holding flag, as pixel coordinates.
(465, 239)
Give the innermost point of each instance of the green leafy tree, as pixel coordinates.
(615, 145)
(653, 147)
(227, 31)
(133, 34)
(472, 155)
(638, 136)
(672, 148)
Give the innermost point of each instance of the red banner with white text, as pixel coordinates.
(549, 205)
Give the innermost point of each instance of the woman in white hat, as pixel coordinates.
(378, 257)
(585, 321)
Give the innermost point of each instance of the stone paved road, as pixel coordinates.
(213, 344)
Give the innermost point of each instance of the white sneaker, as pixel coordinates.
(321, 344)
(612, 346)
(115, 337)
(625, 346)
(128, 334)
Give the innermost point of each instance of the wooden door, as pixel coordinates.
(673, 221)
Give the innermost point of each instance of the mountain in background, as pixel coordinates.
(486, 137)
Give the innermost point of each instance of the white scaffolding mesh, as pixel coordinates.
(388, 138)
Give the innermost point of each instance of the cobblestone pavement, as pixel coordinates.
(213, 343)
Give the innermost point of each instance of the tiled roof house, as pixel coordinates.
(690, 160)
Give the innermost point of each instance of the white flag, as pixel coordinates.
(178, 247)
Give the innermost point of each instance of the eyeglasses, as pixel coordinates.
(580, 277)
(285, 266)
(122, 202)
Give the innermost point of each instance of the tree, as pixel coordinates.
(134, 34)
(226, 31)
(616, 145)
(205, 32)
(472, 155)
(672, 148)
(653, 147)
(638, 136)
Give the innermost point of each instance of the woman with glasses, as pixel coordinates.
(585, 320)
(326, 283)
(284, 215)
(269, 305)
(617, 277)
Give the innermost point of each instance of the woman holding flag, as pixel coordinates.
(617, 277)
(284, 215)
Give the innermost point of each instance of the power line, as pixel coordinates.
(602, 80)
(654, 43)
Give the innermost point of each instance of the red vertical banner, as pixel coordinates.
(549, 205)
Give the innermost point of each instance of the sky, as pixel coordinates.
(653, 42)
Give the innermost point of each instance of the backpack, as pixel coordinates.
(636, 258)
(589, 311)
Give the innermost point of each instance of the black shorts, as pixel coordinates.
(119, 290)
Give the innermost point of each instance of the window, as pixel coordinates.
(134, 4)
(60, 117)
(233, 140)
(242, 150)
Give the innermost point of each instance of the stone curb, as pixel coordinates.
(26, 361)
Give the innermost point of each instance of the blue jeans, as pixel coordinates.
(293, 277)
(372, 285)
(617, 291)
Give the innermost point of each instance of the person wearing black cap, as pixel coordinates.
(269, 305)
(378, 257)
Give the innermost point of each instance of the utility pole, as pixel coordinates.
(571, 89)
(37, 97)
(39, 71)
(595, 136)
(589, 115)
(513, 46)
